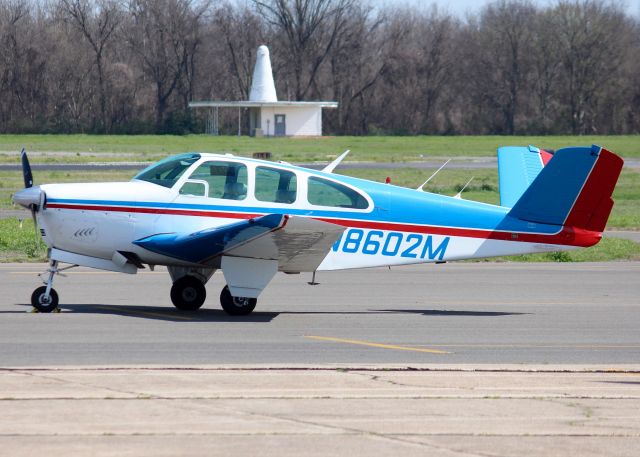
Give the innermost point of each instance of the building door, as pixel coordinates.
(280, 128)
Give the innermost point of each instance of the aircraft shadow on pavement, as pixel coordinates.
(163, 313)
(215, 315)
(444, 312)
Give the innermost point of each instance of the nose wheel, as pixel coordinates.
(44, 302)
(45, 298)
(236, 306)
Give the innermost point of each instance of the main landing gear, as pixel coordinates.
(188, 294)
(236, 306)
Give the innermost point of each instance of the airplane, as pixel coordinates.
(197, 213)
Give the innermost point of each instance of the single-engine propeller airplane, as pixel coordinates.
(198, 213)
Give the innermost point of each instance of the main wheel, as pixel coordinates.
(188, 293)
(236, 306)
(43, 303)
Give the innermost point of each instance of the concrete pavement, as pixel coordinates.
(322, 410)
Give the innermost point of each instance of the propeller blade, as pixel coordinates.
(36, 233)
(26, 169)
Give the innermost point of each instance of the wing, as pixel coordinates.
(297, 243)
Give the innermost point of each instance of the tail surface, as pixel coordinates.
(574, 189)
(518, 167)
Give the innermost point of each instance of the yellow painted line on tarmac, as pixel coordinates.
(143, 313)
(376, 345)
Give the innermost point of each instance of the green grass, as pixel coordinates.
(364, 148)
(606, 250)
(11, 181)
(484, 187)
(19, 243)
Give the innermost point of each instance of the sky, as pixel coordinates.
(461, 7)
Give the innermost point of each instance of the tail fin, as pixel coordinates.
(518, 167)
(573, 190)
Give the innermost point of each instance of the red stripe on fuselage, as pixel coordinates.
(567, 236)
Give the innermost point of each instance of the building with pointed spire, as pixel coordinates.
(267, 115)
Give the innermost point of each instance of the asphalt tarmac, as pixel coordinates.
(460, 313)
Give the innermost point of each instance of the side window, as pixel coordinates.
(323, 192)
(198, 189)
(226, 179)
(275, 185)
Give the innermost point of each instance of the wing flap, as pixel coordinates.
(301, 245)
(298, 243)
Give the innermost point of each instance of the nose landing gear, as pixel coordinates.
(45, 298)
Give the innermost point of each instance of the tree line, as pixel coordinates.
(132, 66)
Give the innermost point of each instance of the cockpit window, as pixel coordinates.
(166, 172)
(225, 179)
(323, 192)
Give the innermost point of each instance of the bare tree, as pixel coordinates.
(242, 32)
(309, 29)
(590, 44)
(164, 35)
(545, 69)
(502, 40)
(97, 20)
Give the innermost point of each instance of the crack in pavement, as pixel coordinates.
(73, 383)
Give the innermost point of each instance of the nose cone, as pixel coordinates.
(29, 197)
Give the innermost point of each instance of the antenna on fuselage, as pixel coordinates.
(459, 194)
(329, 168)
(430, 177)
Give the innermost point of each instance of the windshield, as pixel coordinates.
(166, 172)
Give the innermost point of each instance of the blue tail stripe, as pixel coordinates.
(549, 199)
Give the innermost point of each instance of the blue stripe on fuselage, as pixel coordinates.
(392, 204)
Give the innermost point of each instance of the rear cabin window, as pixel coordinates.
(323, 192)
(226, 179)
(275, 185)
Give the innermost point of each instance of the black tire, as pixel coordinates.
(188, 293)
(42, 305)
(236, 306)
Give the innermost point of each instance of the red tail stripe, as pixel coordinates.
(599, 186)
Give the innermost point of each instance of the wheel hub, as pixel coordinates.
(240, 301)
(189, 294)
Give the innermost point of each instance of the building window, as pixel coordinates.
(226, 179)
(323, 192)
(275, 185)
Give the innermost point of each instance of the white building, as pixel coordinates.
(268, 116)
